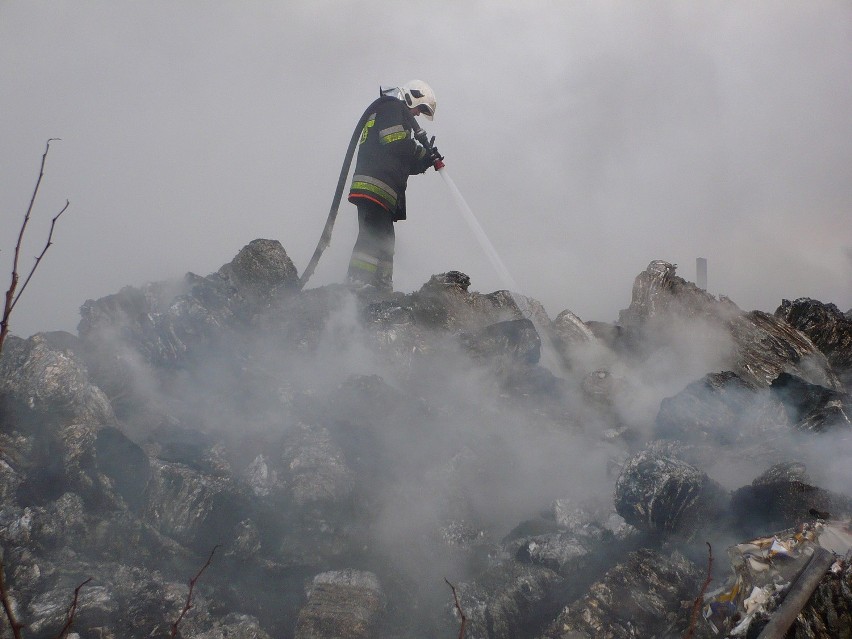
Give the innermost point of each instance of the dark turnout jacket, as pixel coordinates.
(387, 155)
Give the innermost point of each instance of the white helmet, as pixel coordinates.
(418, 94)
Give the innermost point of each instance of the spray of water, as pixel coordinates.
(548, 354)
(505, 277)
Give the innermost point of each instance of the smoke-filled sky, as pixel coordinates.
(589, 138)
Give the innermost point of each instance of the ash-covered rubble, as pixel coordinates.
(828, 328)
(350, 462)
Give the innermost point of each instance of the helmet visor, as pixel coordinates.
(426, 110)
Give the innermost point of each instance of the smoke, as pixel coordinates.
(370, 427)
(672, 356)
(593, 139)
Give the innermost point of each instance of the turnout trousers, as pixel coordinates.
(372, 256)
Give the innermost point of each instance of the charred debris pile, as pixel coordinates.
(346, 453)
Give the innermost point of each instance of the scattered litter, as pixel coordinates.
(780, 548)
(757, 600)
(764, 568)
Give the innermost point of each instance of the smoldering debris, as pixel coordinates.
(828, 328)
(813, 407)
(660, 493)
(768, 572)
(343, 604)
(642, 596)
(348, 453)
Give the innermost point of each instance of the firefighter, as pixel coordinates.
(387, 154)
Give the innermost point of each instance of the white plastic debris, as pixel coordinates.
(781, 548)
(757, 600)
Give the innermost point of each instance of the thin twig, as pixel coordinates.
(47, 245)
(7, 607)
(458, 607)
(699, 600)
(32, 203)
(188, 605)
(72, 610)
(11, 298)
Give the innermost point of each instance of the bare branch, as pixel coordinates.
(188, 605)
(699, 600)
(7, 607)
(72, 610)
(47, 245)
(458, 608)
(30, 207)
(11, 298)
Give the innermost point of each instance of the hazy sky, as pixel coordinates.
(589, 138)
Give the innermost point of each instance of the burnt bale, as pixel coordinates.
(444, 302)
(721, 408)
(314, 469)
(562, 552)
(391, 329)
(577, 542)
(51, 413)
(767, 346)
(196, 509)
(345, 604)
(44, 382)
(827, 327)
(312, 489)
(168, 323)
(510, 601)
(648, 595)
(570, 336)
(659, 296)
(659, 493)
(784, 472)
(813, 408)
(509, 341)
(782, 497)
(56, 524)
(261, 270)
(755, 345)
(131, 603)
(12, 448)
(570, 329)
(513, 349)
(155, 323)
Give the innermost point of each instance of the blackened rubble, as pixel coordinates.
(640, 597)
(346, 453)
(659, 493)
(828, 328)
(783, 494)
(813, 407)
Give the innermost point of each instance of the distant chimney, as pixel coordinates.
(701, 272)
